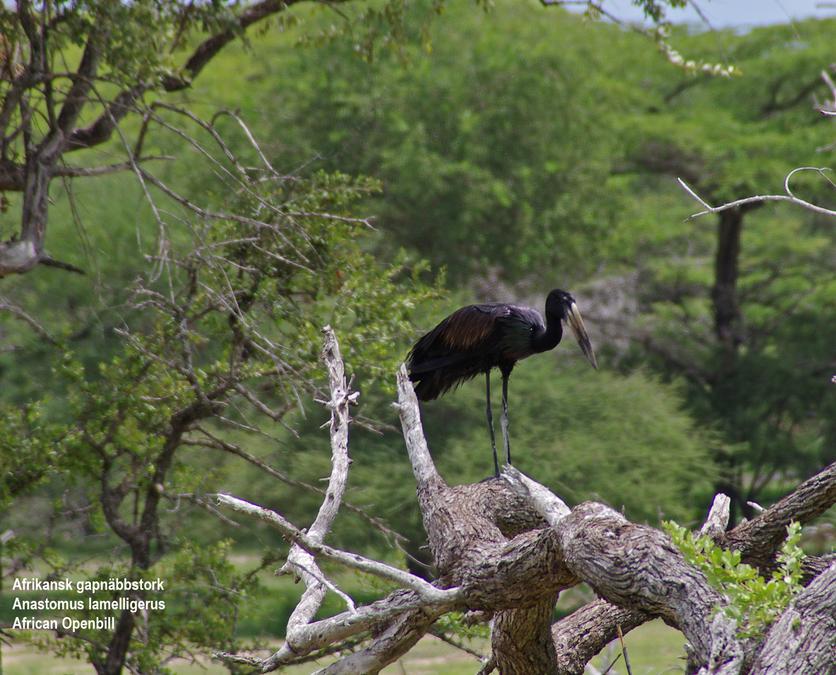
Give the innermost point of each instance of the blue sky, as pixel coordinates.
(736, 13)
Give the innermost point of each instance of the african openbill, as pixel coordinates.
(476, 338)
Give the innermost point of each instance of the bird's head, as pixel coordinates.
(562, 304)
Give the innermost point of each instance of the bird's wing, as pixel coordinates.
(427, 365)
(455, 338)
(471, 325)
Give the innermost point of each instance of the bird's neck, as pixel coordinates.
(548, 338)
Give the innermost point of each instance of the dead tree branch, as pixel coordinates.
(506, 548)
(759, 539)
(300, 561)
(827, 108)
(788, 196)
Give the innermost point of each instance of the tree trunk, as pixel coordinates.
(803, 640)
(724, 294)
(117, 650)
(18, 256)
(521, 639)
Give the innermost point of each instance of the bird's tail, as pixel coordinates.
(428, 387)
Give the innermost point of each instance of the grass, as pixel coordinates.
(655, 649)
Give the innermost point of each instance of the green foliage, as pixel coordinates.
(237, 316)
(29, 446)
(753, 602)
(454, 623)
(506, 174)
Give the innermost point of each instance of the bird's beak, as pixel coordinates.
(573, 316)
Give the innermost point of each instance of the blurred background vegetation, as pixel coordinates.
(509, 152)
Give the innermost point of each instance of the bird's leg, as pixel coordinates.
(489, 413)
(504, 420)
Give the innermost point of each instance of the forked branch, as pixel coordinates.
(788, 196)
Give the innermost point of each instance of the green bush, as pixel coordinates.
(753, 601)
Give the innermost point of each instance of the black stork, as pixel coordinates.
(477, 338)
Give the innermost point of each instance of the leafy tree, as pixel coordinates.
(742, 313)
(71, 72)
(488, 153)
(227, 337)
